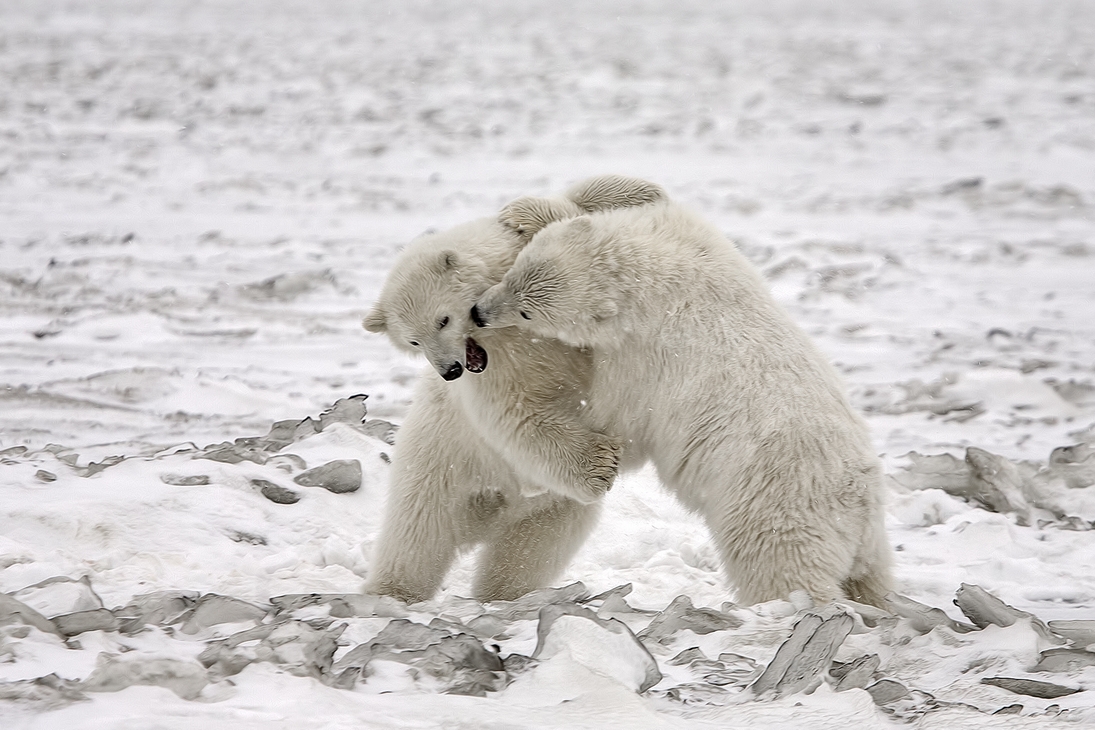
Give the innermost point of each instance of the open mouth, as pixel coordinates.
(475, 357)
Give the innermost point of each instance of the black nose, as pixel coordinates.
(476, 317)
(455, 371)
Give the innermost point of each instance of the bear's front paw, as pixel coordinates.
(603, 466)
(527, 216)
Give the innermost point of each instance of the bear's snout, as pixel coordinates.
(454, 371)
(477, 316)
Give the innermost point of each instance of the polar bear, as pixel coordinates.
(502, 458)
(698, 369)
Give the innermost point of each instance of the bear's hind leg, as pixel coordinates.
(531, 549)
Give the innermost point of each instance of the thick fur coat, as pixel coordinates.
(697, 368)
(504, 457)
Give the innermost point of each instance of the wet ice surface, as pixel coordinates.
(200, 202)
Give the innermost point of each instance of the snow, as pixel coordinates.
(199, 201)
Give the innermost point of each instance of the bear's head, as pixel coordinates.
(425, 303)
(557, 288)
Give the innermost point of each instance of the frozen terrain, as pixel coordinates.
(198, 202)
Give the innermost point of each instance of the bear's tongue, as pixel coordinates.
(475, 357)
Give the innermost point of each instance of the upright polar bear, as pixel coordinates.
(697, 368)
(503, 458)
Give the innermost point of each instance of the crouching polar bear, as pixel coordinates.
(697, 368)
(503, 458)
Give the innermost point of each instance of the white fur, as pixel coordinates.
(502, 458)
(698, 369)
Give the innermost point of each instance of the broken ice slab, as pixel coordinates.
(856, 674)
(350, 410)
(1081, 633)
(528, 606)
(728, 669)
(924, 618)
(1064, 660)
(464, 664)
(488, 626)
(159, 608)
(296, 646)
(232, 454)
(13, 611)
(680, 615)
(941, 471)
(1074, 464)
(1031, 687)
(60, 594)
(688, 656)
(275, 493)
(212, 609)
(339, 476)
(380, 429)
(403, 634)
(997, 483)
(73, 624)
(809, 651)
(114, 672)
(343, 605)
(887, 691)
(43, 693)
(983, 609)
(188, 480)
(606, 646)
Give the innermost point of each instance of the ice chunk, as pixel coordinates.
(159, 608)
(688, 656)
(856, 674)
(300, 648)
(343, 605)
(464, 664)
(380, 429)
(275, 493)
(997, 483)
(1064, 660)
(339, 476)
(213, 609)
(404, 634)
(14, 611)
(350, 410)
(983, 609)
(44, 693)
(681, 615)
(60, 594)
(1081, 633)
(114, 672)
(809, 651)
(1030, 687)
(185, 480)
(1074, 464)
(887, 691)
(924, 618)
(528, 606)
(941, 471)
(605, 646)
(99, 619)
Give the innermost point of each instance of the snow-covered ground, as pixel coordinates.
(198, 202)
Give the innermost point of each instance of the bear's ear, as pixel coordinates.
(578, 229)
(376, 320)
(615, 191)
(447, 261)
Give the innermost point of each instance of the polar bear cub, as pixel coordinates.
(697, 368)
(503, 458)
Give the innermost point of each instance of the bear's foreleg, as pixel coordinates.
(531, 549)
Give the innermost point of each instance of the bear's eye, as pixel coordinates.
(444, 321)
(414, 344)
(525, 315)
